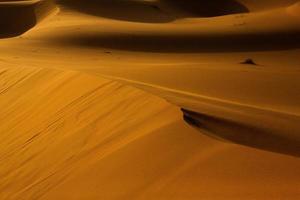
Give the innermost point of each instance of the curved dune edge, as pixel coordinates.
(164, 11)
(257, 135)
(258, 127)
(75, 136)
(105, 140)
(17, 17)
(234, 33)
(258, 83)
(154, 11)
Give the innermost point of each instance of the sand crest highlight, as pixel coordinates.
(150, 99)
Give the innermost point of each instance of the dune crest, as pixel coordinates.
(90, 100)
(159, 11)
(17, 17)
(105, 140)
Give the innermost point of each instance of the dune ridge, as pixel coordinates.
(90, 100)
(232, 121)
(253, 99)
(233, 33)
(91, 143)
(160, 11)
(31, 12)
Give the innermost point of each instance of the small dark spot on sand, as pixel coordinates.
(249, 61)
(240, 24)
(155, 7)
(108, 52)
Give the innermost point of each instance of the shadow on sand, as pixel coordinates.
(242, 134)
(182, 43)
(10, 20)
(17, 17)
(160, 11)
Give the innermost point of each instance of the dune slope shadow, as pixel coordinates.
(139, 11)
(17, 17)
(182, 43)
(243, 134)
(204, 8)
(159, 11)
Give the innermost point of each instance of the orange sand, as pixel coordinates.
(83, 100)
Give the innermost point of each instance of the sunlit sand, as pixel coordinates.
(115, 99)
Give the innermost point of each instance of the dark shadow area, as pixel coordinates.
(242, 134)
(17, 17)
(182, 43)
(160, 11)
(137, 11)
(15, 20)
(204, 8)
(249, 61)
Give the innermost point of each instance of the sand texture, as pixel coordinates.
(156, 99)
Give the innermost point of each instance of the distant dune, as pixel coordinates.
(17, 17)
(115, 99)
(155, 11)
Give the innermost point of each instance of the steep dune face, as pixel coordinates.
(17, 17)
(155, 11)
(197, 64)
(162, 11)
(257, 132)
(69, 135)
(202, 8)
(61, 118)
(73, 136)
(131, 10)
(251, 32)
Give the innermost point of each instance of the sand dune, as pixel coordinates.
(132, 10)
(83, 100)
(105, 140)
(238, 33)
(257, 5)
(31, 12)
(258, 97)
(155, 11)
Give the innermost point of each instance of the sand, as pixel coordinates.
(91, 100)
(17, 17)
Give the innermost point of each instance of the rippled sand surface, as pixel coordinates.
(145, 99)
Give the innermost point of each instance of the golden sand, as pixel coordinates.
(90, 100)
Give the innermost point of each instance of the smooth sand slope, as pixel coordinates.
(73, 136)
(195, 63)
(66, 133)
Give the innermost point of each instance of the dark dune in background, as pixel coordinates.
(139, 11)
(171, 43)
(90, 100)
(230, 33)
(202, 8)
(160, 11)
(17, 17)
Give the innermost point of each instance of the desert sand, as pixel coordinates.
(145, 99)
